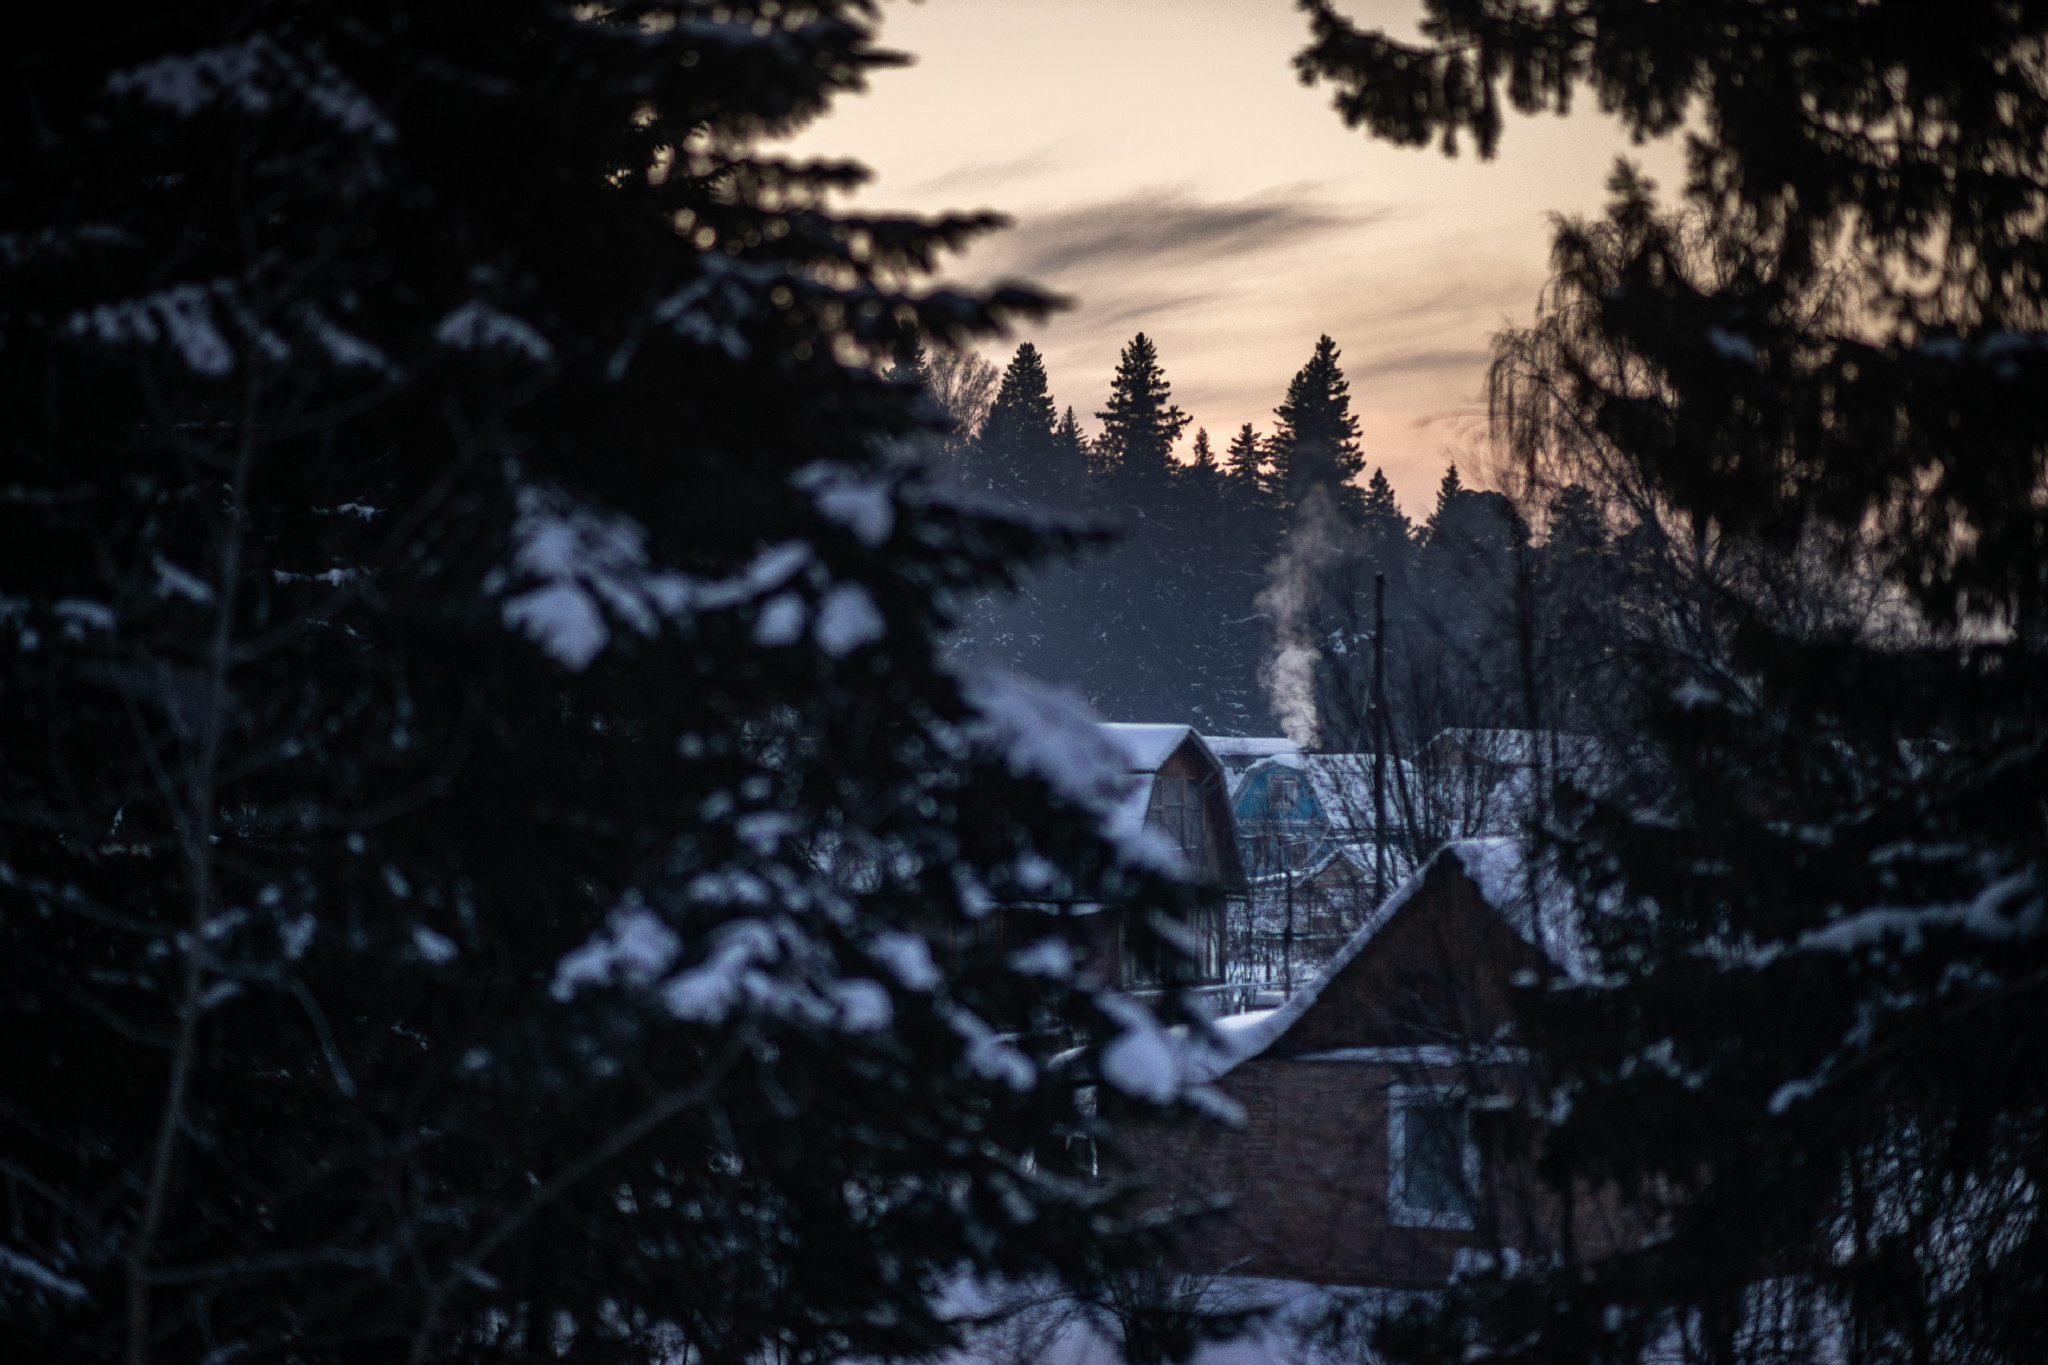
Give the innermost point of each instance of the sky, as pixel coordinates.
(1167, 171)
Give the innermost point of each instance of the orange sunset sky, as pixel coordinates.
(1167, 170)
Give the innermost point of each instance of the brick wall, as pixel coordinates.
(1306, 1178)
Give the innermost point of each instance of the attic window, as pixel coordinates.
(1433, 1165)
(1181, 813)
(1281, 791)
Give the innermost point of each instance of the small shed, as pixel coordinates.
(1383, 1143)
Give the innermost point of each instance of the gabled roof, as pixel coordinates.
(1547, 920)
(1148, 746)
(1243, 750)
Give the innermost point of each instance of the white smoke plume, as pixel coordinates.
(1315, 544)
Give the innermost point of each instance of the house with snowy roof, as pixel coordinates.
(1179, 785)
(1179, 790)
(1170, 805)
(1387, 1137)
(1238, 752)
(1312, 854)
(1293, 808)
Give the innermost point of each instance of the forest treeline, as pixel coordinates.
(1236, 588)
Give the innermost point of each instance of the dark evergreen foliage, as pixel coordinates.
(1068, 441)
(1812, 1080)
(1022, 418)
(1141, 424)
(475, 785)
(1018, 452)
(1244, 461)
(1385, 530)
(1315, 440)
(1159, 625)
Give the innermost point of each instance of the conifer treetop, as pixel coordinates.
(1315, 439)
(1068, 435)
(1448, 488)
(1379, 495)
(1141, 422)
(1246, 455)
(1022, 418)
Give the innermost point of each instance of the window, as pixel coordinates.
(1281, 793)
(1433, 1166)
(1180, 812)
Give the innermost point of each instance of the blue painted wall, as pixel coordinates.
(1268, 831)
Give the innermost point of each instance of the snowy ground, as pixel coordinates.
(1301, 1324)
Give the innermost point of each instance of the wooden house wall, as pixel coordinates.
(1215, 860)
(1102, 936)
(1306, 1178)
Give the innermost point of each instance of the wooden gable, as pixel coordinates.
(1435, 973)
(1408, 1018)
(1190, 805)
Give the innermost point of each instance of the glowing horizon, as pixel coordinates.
(1166, 170)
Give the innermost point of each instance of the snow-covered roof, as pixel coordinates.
(1358, 856)
(1496, 866)
(1145, 747)
(1049, 732)
(1249, 747)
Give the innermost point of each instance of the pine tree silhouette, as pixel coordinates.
(1316, 438)
(1245, 459)
(1017, 447)
(1385, 529)
(483, 819)
(1448, 491)
(1140, 423)
(1022, 418)
(1808, 1041)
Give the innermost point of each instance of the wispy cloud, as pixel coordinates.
(1164, 230)
(1235, 291)
(982, 177)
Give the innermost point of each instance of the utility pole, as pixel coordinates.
(1379, 754)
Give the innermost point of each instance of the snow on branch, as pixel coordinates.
(863, 504)
(752, 966)
(254, 76)
(181, 315)
(585, 563)
(582, 568)
(479, 327)
(13, 1263)
(636, 947)
(2008, 908)
(711, 309)
(1050, 733)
